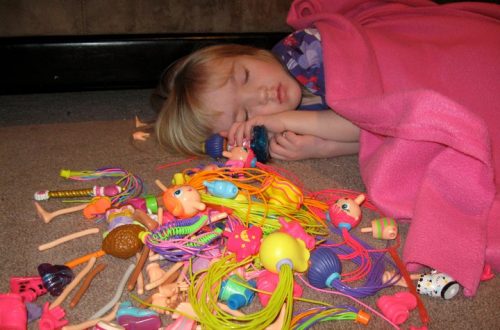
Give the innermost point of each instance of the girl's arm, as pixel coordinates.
(326, 125)
(291, 146)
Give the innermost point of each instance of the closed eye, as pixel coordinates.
(247, 76)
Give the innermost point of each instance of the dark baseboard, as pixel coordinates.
(59, 64)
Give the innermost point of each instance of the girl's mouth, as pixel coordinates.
(280, 93)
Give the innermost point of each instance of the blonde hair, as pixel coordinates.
(184, 122)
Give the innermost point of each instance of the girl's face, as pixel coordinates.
(255, 87)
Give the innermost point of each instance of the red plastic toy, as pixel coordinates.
(13, 314)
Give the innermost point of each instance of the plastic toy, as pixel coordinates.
(282, 192)
(116, 297)
(235, 294)
(183, 201)
(29, 288)
(34, 311)
(86, 283)
(52, 318)
(73, 283)
(55, 277)
(123, 241)
(324, 269)
(80, 260)
(422, 311)
(182, 323)
(315, 315)
(67, 238)
(345, 212)
(215, 145)
(278, 249)
(293, 228)
(243, 241)
(240, 157)
(383, 228)
(13, 314)
(49, 216)
(209, 313)
(95, 191)
(131, 185)
(389, 276)
(145, 219)
(103, 325)
(398, 306)
(141, 261)
(93, 321)
(118, 216)
(97, 207)
(438, 285)
(268, 281)
(147, 203)
(221, 188)
(131, 317)
(180, 240)
(171, 286)
(158, 276)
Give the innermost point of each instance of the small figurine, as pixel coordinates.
(383, 228)
(221, 188)
(183, 201)
(240, 157)
(346, 212)
(243, 241)
(216, 144)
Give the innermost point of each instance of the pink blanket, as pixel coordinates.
(423, 82)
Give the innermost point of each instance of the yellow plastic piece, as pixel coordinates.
(278, 246)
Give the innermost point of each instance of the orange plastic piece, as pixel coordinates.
(363, 317)
(96, 206)
(78, 261)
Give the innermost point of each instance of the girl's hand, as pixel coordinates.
(241, 131)
(291, 146)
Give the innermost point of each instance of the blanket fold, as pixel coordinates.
(425, 92)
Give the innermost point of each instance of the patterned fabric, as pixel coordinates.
(301, 53)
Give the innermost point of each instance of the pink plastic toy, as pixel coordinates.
(182, 323)
(345, 212)
(52, 318)
(29, 288)
(183, 201)
(397, 307)
(240, 157)
(13, 314)
(267, 281)
(294, 229)
(244, 242)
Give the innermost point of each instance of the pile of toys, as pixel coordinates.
(226, 245)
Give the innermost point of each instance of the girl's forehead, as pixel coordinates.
(220, 71)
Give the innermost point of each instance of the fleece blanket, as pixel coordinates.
(422, 81)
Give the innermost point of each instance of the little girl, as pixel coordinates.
(414, 88)
(228, 89)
